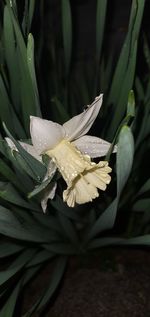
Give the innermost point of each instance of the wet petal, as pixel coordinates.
(31, 150)
(99, 177)
(80, 124)
(11, 144)
(45, 134)
(51, 169)
(27, 147)
(49, 194)
(80, 192)
(93, 146)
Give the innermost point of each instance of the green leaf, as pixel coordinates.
(142, 205)
(40, 257)
(5, 107)
(27, 93)
(30, 61)
(9, 306)
(30, 272)
(37, 168)
(124, 74)
(25, 18)
(129, 116)
(141, 240)
(139, 89)
(55, 280)
(29, 7)
(22, 226)
(40, 188)
(2, 147)
(7, 172)
(123, 92)
(48, 221)
(20, 169)
(13, 5)
(125, 154)
(100, 24)
(9, 193)
(144, 188)
(67, 32)
(24, 168)
(146, 51)
(103, 242)
(60, 110)
(131, 104)
(16, 266)
(11, 57)
(68, 229)
(64, 248)
(9, 248)
(59, 205)
(17, 176)
(31, 12)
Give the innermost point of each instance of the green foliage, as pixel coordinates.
(67, 32)
(18, 104)
(29, 238)
(125, 154)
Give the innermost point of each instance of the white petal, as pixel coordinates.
(49, 194)
(51, 169)
(80, 124)
(45, 134)
(29, 148)
(93, 146)
(11, 144)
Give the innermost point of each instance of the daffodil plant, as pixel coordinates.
(71, 151)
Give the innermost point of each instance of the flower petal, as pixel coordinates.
(80, 124)
(93, 146)
(81, 193)
(11, 144)
(27, 147)
(49, 194)
(31, 150)
(51, 169)
(45, 134)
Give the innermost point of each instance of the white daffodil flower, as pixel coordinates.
(71, 152)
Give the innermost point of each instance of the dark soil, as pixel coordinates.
(113, 283)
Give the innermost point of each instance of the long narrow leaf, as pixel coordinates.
(69, 229)
(67, 31)
(38, 169)
(124, 164)
(17, 265)
(23, 227)
(8, 308)
(9, 193)
(6, 171)
(55, 280)
(29, 105)
(124, 73)
(31, 66)
(7, 249)
(11, 57)
(100, 24)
